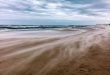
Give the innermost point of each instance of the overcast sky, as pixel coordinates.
(54, 11)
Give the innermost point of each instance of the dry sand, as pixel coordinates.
(87, 53)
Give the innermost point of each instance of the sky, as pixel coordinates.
(54, 12)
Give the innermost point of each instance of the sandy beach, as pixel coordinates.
(87, 53)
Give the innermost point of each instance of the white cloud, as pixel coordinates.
(53, 5)
(61, 9)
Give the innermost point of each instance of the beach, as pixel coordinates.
(83, 52)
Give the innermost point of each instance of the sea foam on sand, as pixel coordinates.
(87, 53)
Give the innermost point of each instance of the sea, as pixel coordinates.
(33, 31)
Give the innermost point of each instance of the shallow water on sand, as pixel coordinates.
(35, 33)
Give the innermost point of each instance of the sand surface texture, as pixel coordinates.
(87, 53)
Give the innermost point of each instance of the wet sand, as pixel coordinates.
(87, 53)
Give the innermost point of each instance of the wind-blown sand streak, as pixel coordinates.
(87, 53)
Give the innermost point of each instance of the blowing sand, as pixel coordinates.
(87, 53)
